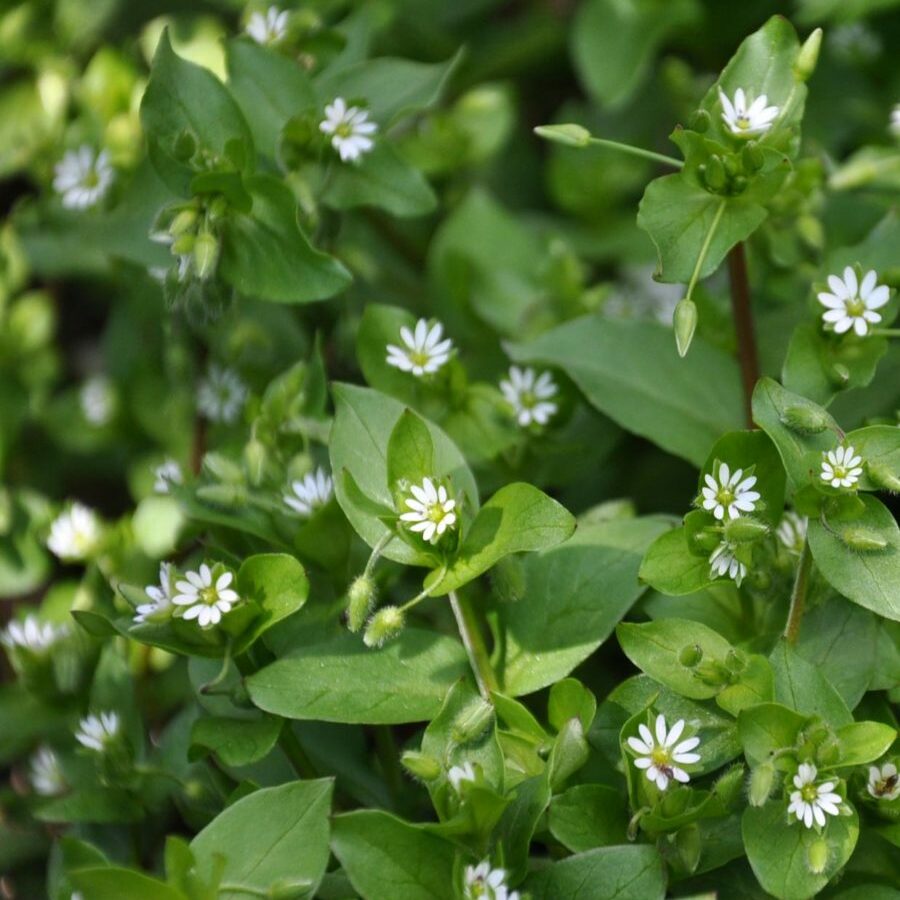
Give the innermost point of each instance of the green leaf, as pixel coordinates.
(236, 742)
(871, 579)
(342, 680)
(184, 98)
(517, 519)
(386, 857)
(767, 728)
(879, 445)
(756, 684)
(777, 850)
(607, 873)
(266, 255)
(363, 424)
(272, 835)
(383, 179)
(557, 623)
(114, 883)
(802, 687)
(620, 366)
(670, 567)
(520, 820)
(588, 816)
(613, 42)
(270, 89)
(93, 805)
(864, 742)
(410, 452)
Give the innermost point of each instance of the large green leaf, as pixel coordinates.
(115, 883)
(670, 567)
(630, 370)
(342, 680)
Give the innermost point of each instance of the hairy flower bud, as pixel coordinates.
(715, 175)
(472, 721)
(421, 765)
(808, 56)
(762, 780)
(684, 321)
(884, 476)
(206, 255)
(752, 158)
(728, 787)
(185, 220)
(804, 419)
(862, 539)
(570, 135)
(386, 624)
(745, 529)
(699, 121)
(360, 600)
(817, 856)
(255, 455)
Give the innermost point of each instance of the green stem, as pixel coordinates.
(377, 550)
(474, 644)
(223, 673)
(798, 595)
(701, 258)
(885, 332)
(638, 151)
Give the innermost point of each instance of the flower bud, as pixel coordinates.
(31, 322)
(811, 231)
(808, 56)
(222, 468)
(745, 529)
(184, 221)
(231, 496)
(862, 539)
(570, 135)
(762, 780)
(804, 419)
(817, 855)
(739, 184)
(386, 624)
(360, 600)
(183, 244)
(829, 751)
(255, 456)
(838, 374)
(421, 765)
(684, 321)
(735, 661)
(883, 476)
(715, 175)
(206, 255)
(752, 158)
(699, 121)
(690, 655)
(472, 721)
(728, 787)
(688, 845)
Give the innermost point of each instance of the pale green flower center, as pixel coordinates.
(809, 792)
(855, 307)
(725, 495)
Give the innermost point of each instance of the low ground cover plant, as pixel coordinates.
(450, 451)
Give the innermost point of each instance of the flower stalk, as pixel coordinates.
(798, 595)
(475, 646)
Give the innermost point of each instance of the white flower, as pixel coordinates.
(206, 601)
(852, 304)
(895, 120)
(458, 774)
(160, 595)
(349, 128)
(269, 28)
(840, 467)
(431, 510)
(529, 395)
(811, 801)
(659, 757)
(165, 475)
(731, 493)
(95, 732)
(32, 634)
(82, 177)
(722, 561)
(884, 783)
(424, 352)
(221, 395)
(745, 120)
(791, 531)
(75, 533)
(96, 399)
(484, 883)
(46, 775)
(313, 491)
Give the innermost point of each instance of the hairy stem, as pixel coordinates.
(701, 256)
(743, 326)
(798, 595)
(474, 644)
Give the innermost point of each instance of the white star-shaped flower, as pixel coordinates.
(45, 774)
(97, 400)
(269, 27)
(852, 304)
(82, 177)
(161, 597)
(206, 601)
(884, 782)
(350, 129)
(811, 802)
(744, 120)
(430, 510)
(482, 882)
(662, 758)
(841, 468)
(423, 352)
(313, 491)
(221, 395)
(75, 533)
(459, 774)
(731, 493)
(96, 731)
(32, 634)
(165, 475)
(791, 531)
(529, 395)
(723, 562)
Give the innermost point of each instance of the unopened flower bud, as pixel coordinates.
(688, 844)
(804, 419)
(862, 539)
(817, 855)
(255, 456)
(472, 721)
(690, 655)
(811, 231)
(699, 121)
(360, 600)
(735, 661)
(183, 244)
(745, 529)
(222, 468)
(206, 255)
(421, 765)
(715, 175)
(684, 321)
(184, 221)
(570, 135)
(739, 184)
(231, 496)
(808, 56)
(762, 780)
(386, 624)
(729, 786)
(30, 322)
(752, 158)
(829, 751)
(838, 374)
(883, 476)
